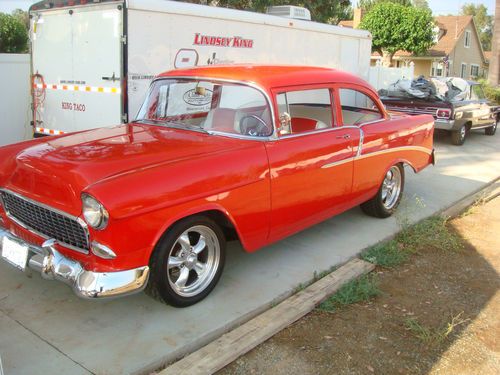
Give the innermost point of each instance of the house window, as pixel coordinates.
(467, 38)
(437, 69)
(463, 70)
(474, 70)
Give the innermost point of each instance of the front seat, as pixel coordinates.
(224, 120)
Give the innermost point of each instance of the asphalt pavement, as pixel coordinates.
(45, 329)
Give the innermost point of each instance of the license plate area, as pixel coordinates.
(14, 253)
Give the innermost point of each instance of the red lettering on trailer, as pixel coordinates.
(220, 41)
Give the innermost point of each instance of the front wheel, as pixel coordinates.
(492, 129)
(188, 261)
(389, 194)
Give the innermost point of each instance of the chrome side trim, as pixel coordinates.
(337, 163)
(395, 149)
(34, 231)
(52, 265)
(376, 153)
(482, 126)
(361, 140)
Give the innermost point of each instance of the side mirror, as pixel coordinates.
(285, 124)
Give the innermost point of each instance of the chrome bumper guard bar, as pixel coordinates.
(52, 265)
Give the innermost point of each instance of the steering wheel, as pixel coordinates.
(256, 128)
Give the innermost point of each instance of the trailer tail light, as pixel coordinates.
(443, 113)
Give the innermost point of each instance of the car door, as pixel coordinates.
(311, 163)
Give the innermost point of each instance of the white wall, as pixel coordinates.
(381, 77)
(15, 98)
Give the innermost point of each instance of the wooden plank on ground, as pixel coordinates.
(239, 341)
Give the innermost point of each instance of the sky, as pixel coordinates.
(438, 6)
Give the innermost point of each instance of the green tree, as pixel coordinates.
(396, 27)
(421, 4)
(22, 16)
(326, 11)
(483, 21)
(13, 35)
(367, 5)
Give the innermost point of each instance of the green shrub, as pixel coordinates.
(492, 93)
(13, 35)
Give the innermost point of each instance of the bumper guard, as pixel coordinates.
(52, 265)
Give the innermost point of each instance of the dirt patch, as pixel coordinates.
(438, 313)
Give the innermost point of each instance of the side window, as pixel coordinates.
(309, 110)
(357, 108)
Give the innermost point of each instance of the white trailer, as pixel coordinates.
(92, 61)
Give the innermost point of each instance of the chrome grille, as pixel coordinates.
(46, 222)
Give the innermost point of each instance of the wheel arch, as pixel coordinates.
(216, 213)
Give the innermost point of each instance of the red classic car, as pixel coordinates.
(248, 153)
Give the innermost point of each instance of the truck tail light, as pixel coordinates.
(443, 113)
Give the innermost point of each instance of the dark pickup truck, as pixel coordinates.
(473, 111)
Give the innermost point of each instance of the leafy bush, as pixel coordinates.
(13, 35)
(492, 93)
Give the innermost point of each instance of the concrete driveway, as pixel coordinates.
(44, 329)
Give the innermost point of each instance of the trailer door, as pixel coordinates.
(77, 62)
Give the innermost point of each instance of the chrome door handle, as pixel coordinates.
(345, 136)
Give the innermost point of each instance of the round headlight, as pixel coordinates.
(94, 212)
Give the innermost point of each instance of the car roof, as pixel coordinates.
(270, 76)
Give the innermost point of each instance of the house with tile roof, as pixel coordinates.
(457, 52)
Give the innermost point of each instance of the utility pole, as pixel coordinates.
(494, 71)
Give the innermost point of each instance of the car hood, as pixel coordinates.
(56, 170)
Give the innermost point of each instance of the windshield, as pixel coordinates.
(208, 106)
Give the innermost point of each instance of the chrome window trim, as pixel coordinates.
(318, 131)
(272, 136)
(55, 210)
(372, 122)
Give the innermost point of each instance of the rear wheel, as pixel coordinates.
(389, 194)
(188, 262)
(458, 137)
(491, 130)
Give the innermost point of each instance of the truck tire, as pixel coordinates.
(458, 137)
(389, 195)
(187, 262)
(492, 129)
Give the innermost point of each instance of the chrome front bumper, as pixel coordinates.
(52, 265)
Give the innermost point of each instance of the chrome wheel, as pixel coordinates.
(193, 261)
(463, 131)
(391, 187)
